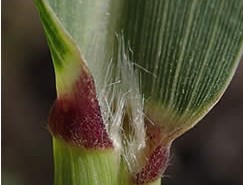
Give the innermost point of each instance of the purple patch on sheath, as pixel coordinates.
(155, 166)
(76, 117)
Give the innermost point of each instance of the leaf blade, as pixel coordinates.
(196, 53)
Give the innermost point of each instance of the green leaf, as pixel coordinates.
(67, 60)
(191, 50)
(91, 24)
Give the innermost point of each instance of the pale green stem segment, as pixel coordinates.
(124, 175)
(157, 182)
(76, 166)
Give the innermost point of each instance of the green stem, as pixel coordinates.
(157, 182)
(125, 177)
(76, 166)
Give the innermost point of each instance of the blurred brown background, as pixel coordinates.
(210, 154)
